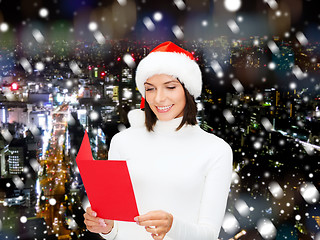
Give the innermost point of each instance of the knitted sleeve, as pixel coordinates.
(113, 154)
(213, 203)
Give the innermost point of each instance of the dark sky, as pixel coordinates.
(304, 14)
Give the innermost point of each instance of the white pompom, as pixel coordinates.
(136, 118)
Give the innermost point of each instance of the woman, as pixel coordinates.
(180, 174)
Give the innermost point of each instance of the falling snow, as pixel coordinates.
(38, 36)
(149, 24)
(230, 224)
(266, 228)
(232, 5)
(276, 190)
(177, 32)
(40, 66)
(26, 65)
(217, 68)
(268, 73)
(75, 67)
(237, 85)
(310, 193)
(4, 27)
(52, 201)
(43, 12)
(273, 47)
(266, 124)
(302, 38)
(23, 219)
(233, 26)
(180, 4)
(272, 3)
(228, 115)
(128, 59)
(242, 208)
(92, 26)
(157, 16)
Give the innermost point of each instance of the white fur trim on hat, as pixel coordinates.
(136, 118)
(174, 64)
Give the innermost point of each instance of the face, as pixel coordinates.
(165, 96)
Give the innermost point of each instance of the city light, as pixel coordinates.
(68, 68)
(14, 86)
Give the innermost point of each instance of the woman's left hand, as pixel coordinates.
(158, 223)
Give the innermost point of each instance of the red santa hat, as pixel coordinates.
(170, 59)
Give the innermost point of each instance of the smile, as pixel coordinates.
(164, 109)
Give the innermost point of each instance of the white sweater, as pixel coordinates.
(186, 173)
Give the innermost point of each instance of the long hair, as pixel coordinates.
(189, 113)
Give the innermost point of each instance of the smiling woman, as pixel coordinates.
(180, 174)
(165, 96)
(167, 99)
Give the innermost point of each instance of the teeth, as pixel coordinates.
(165, 108)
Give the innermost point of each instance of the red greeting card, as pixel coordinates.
(108, 185)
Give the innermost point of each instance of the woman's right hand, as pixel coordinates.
(96, 224)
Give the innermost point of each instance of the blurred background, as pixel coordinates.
(69, 66)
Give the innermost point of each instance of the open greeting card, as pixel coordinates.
(108, 185)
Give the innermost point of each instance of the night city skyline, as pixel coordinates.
(67, 67)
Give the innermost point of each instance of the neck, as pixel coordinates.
(167, 126)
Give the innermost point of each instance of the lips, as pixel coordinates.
(164, 109)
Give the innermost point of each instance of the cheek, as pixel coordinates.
(180, 97)
(150, 100)
(148, 97)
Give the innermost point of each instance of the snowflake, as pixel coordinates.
(228, 115)
(4, 27)
(149, 24)
(302, 38)
(180, 4)
(233, 26)
(230, 224)
(266, 228)
(38, 36)
(157, 16)
(232, 5)
(177, 32)
(43, 12)
(52, 201)
(92, 26)
(23, 219)
(128, 59)
(39, 66)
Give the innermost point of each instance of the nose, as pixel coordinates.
(160, 96)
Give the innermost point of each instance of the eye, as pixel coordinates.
(171, 87)
(149, 89)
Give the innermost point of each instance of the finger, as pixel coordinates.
(92, 223)
(157, 237)
(91, 212)
(91, 218)
(152, 223)
(89, 224)
(97, 221)
(96, 229)
(153, 215)
(153, 230)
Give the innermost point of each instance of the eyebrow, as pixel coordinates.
(172, 81)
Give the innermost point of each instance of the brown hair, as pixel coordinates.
(189, 113)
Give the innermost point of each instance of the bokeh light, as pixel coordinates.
(43, 12)
(232, 5)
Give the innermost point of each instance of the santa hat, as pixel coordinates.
(170, 59)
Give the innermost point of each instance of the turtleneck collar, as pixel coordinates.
(167, 126)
